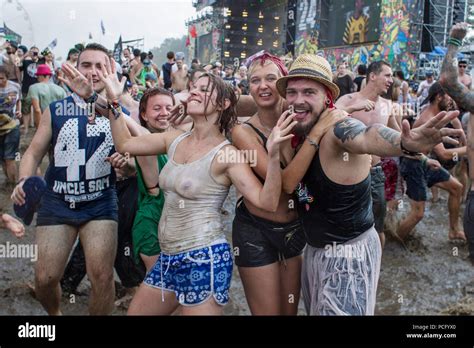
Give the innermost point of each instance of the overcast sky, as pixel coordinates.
(70, 21)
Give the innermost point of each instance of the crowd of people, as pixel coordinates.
(141, 160)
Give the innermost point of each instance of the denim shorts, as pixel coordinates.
(377, 190)
(195, 275)
(418, 177)
(10, 144)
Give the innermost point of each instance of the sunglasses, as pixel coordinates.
(463, 66)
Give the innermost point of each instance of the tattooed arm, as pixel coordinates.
(382, 141)
(449, 72)
(377, 139)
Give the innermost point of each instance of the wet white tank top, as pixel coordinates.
(191, 217)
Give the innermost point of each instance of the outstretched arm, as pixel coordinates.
(449, 71)
(382, 141)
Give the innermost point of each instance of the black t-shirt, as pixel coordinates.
(167, 68)
(345, 84)
(358, 81)
(29, 77)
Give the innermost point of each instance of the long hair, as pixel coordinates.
(227, 117)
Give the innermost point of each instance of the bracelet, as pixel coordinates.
(408, 152)
(21, 180)
(92, 99)
(455, 42)
(316, 145)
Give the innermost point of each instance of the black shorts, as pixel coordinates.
(258, 242)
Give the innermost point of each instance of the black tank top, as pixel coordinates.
(332, 212)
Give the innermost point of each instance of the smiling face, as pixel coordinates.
(262, 84)
(89, 63)
(157, 112)
(201, 101)
(308, 99)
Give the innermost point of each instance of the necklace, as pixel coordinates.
(269, 130)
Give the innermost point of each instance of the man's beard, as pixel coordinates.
(304, 129)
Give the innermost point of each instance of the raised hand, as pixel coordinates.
(108, 75)
(280, 133)
(425, 137)
(178, 114)
(326, 121)
(459, 31)
(76, 81)
(117, 160)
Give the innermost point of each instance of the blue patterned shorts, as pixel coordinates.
(195, 275)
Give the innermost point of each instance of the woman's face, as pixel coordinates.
(262, 84)
(157, 111)
(199, 96)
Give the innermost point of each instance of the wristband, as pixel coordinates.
(21, 180)
(408, 152)
(455, 42)
(316, 145)
(92, 99)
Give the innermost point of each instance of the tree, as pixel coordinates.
(169, 44)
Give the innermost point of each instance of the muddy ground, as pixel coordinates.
(427, 276)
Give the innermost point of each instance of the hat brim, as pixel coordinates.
(283, 82)
(8, 126)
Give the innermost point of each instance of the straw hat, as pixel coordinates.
(7, 123)
(309, 66)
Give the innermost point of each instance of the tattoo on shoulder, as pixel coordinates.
(348, 129)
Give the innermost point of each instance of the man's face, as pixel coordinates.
(90, 63)
(126, 54)
(429, 79)
(307, 97)
(34, 53)
(383, 80)
(228, 72)
(179, 64)
(445, 103)
(3, 80)
(157, 111)
(359, 5)
(462, 68)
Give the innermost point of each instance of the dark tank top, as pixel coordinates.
(332, 212)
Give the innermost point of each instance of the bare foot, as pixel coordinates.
(456, 235)
(15, 226)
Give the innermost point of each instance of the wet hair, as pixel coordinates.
(227, 117)
(192, 73)
(362, 69)
(462, 61)
(3, 71)
(136, 52)
(170, 55)
(376, 67)
(93, 47)
(143, 56)
(144, 101)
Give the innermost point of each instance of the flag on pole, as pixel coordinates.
(102, 27)
(118, 50)
(53, 44)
